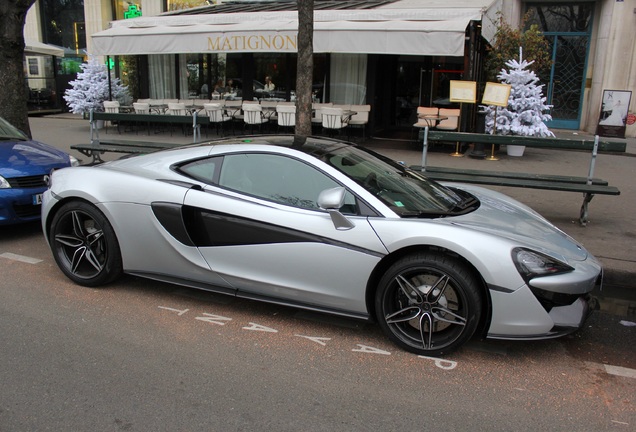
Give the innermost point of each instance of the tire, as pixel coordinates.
(428, 303)
(84, 245)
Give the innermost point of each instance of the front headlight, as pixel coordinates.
(74, 161)
(4, 184)
(531, 264)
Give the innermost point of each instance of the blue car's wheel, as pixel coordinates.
(84, 245)
(429, 304)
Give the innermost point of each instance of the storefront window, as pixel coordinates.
(348, 79)
(40, 82)
(63, 23)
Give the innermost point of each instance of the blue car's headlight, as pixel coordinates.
(4, 184)
(531, 264)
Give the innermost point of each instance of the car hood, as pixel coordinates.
(25, 158)
(505, 217)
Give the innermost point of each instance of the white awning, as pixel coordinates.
(35, 47)
(427, 31)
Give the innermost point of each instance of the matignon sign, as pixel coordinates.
(274, 42)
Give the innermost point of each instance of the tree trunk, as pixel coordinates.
(13, 93)
(305, 70)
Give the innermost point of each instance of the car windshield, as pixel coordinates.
(8, 132)
(407, 192)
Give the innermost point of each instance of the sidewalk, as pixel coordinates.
(610, 235)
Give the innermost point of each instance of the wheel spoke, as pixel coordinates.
(459, 320)
(78, 258)
(409, 290)
(83, 244)
(403, 315)
(431, 297)
(427, 342)
(78, 229)
(68, 240)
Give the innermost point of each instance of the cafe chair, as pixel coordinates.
(360, 118)
(111, 107)
(316, 113)
(334, 120)
(286, 116)
(452, 122)
(142, 108)
(217, 116)
(253, 115)
(177, 108)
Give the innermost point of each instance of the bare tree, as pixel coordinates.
(13, 100)
(305, 70)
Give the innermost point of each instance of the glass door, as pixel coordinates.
(568, 28)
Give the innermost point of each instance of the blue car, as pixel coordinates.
(24, 169)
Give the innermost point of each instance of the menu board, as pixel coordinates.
(463, 91)
(496, 94)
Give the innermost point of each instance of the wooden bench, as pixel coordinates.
(98, 147)
(588, 186)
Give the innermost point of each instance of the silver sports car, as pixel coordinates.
(326, 226)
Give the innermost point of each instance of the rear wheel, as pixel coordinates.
(84, 245)
(429, 304)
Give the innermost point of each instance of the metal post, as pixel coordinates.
(590, 175)
(424, 149)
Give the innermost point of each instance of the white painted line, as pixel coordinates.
(21, 258)
(370, 350)
(620, 371)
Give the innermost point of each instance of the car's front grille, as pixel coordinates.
(27, 182)
(27, 211)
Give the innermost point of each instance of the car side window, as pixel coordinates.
(278, 178)
(204, 170)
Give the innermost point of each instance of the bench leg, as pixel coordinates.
(583, 218)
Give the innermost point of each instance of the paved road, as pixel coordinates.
(146, 356)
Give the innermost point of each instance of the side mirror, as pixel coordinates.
(331, 200)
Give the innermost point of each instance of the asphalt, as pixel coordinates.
(610, 234)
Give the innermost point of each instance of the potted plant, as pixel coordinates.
(526, 112)
(91, 88)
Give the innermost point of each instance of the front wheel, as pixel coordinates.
(84, 245)
(429, 304)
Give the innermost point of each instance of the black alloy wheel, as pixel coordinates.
(84, 245)
(429, 304)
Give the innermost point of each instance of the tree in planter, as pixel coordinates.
(525, 114)
(507, 41)
(91, 89)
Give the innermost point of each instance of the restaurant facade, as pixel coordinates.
(393, 55)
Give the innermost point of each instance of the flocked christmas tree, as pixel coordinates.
(91, 89)
(526, 112)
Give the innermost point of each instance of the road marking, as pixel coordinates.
(370, 350)
(213, 319)
(179, 312)
(319, 340)
(21, 258)
(620, 371)
(258, 327)
(441, 363)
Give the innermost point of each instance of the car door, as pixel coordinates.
(262, 230)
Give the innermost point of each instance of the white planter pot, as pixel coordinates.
(515, 150)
